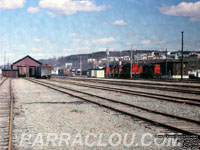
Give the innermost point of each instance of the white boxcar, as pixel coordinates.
(44, 71)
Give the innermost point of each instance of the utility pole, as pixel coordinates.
(136, 56)
(131, 62)
(197, 66)
(92, 60)
(182, 56)
(80, 65)
(107, 63)
(166, 64)
(107, 54)
(5, 59)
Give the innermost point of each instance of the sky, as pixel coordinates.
(51, 28)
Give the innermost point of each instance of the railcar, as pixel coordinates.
(151, 71)
(136, 70)
(43, 71)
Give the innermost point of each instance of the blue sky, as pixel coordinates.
(52, 28)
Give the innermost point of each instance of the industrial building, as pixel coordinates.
(26, 66)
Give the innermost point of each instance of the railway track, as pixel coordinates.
(195, 81)
(6, 115)
(176, 123)
(175, 99)
(2, 81)
(147, 85)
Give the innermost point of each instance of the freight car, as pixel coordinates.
(141, 70)
(136, 71)
(43, 71)
(151, 71)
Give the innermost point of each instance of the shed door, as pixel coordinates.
(30, 72)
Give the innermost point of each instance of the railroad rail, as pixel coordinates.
(147, 85)
(176, 123)
(3, 80)
(175, 99)
(6, 115)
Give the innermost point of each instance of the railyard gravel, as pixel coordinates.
(39, 111)
(171, 93)
(142, 81)
(183, 110)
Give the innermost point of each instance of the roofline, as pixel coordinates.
(9, 69)
(25, 57)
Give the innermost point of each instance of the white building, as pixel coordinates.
(91, 60)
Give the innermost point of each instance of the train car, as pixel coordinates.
(113, 70)
(43, 71)
(142, 70)
(136, 70)
(116, 71)
(125, 73)
(61, 72)
(157, 73)
(107, 71)
(151, 71)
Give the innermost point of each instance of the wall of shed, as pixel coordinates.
(100, 74)
(10, 73)
(26, 67)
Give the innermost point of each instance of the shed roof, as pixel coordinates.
(9, 69)
(27, 57)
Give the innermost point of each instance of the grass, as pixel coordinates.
(76, 111)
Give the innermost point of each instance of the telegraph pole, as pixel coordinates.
(197, 66)
(182, 56)
(80, 65)
(166, 64)
(136, 56)
(107, 63)
(131, 62)
(107, 54)
(5, 59)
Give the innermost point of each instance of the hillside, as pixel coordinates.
(75, 59)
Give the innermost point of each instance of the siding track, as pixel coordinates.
(6, 114)
(175, 99)
(176, 123)
(174, 87)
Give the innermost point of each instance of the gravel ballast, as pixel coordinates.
(178, 109)
(40, 111)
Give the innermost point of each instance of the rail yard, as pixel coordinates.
(100, 75)
(37, 113)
